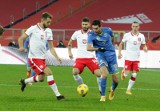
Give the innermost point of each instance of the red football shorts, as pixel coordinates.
(132, 65)
(38, 65)
(91, 63)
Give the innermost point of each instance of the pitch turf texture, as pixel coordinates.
(39, 96)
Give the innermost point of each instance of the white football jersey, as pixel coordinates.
(38, 39)
(81, 38)
(133, 43)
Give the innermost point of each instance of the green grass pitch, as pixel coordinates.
(39, 96)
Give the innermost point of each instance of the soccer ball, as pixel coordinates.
(82, 90)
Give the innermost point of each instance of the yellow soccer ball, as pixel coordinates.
(82, 90)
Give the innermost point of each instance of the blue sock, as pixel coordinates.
(33, 73)
(103, 86)
(114, 85)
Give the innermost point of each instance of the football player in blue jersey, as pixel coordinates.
(100, 40)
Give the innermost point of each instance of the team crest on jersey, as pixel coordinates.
(134, 42)
(84, 41)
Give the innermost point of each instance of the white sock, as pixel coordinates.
(130, 84)
(78, 79)
(31, 79)
(53, 85)
(131, 81)
(99, 82)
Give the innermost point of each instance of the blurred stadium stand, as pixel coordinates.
(68, 14)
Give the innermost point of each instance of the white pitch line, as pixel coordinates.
(38, 86)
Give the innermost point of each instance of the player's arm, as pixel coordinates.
(91, 48)
(120, 49)
(53, 52)
(69, 49)
(21, 41)
(145, 47)
(26, 43)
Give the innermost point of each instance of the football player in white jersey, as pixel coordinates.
(133, 41)
(40, 34)
(84, 57)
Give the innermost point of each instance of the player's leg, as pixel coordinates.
(52, 84)
(126, 70)
(104, 72)
(36, 66)
(77, 70)
(99, 78)
(133, 77)
(92, 64)
(33, 73)
(113, 69)
(28, 74)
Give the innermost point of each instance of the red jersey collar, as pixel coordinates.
(133, 34)
(39, 26)
(84, 32)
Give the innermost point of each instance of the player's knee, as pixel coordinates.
(97, 73)
(41, 79)
(134, 75)
(104, 76)
(75, 72)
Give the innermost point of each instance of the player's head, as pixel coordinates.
(135, 26)
(46, 19)
(96, 26)
(85, 24)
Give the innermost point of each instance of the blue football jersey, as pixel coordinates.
(103, 40)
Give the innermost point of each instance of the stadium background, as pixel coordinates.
(68, 14)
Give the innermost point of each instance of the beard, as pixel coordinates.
(44, 25)
(85, 29)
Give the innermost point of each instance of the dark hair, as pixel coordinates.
(96, 22)
(46, 15)
(85, 19)
(135, 22)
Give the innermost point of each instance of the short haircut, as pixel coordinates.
(46, 15)
(85, 19)
(96, 22)
(135, 22)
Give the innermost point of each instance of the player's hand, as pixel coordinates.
(59, 60)
(120, 56)
(21, 49)
(70, 55)
(145, 49)
(101, 49)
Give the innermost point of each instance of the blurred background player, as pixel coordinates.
(40, 34)
(133, 41)
(84, 57)
(30, 72)
(61, 44)
(100, 40)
